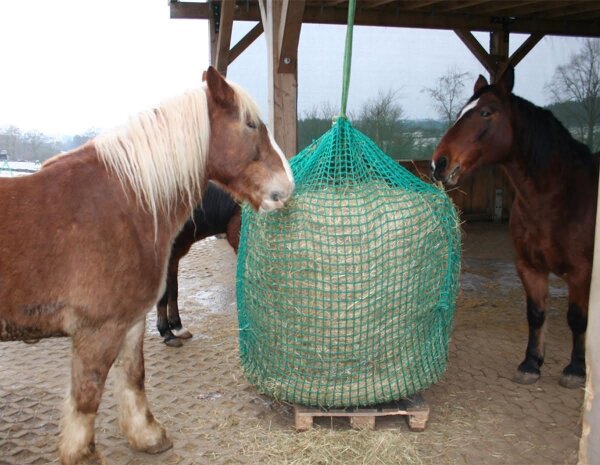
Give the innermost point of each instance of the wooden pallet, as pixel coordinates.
(415, 409)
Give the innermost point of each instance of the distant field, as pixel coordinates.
(17, 168)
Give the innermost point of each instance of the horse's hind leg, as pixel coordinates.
(135, 419)
(536, 288)
(162, 322)
(94, 351)
(173, 294)
(573, 376)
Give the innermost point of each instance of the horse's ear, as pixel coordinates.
(480, 83)
(506, 81)
(221, 92)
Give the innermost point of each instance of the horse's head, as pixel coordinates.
(481, 135)
(243, 156)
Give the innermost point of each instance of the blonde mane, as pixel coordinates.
(161, 153)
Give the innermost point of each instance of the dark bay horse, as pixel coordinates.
(552, 220)
(84, 242)
(218, 214)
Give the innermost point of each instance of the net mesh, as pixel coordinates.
(346, 296)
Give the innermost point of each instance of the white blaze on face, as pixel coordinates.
(467, 107)
(280, 186)
(284, 160)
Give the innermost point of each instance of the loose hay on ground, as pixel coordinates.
(329, 447)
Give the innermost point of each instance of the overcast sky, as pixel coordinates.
(68, 66)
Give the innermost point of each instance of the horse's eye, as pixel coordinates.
(485, 113)
(251, 124)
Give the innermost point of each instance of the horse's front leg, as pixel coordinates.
(94, 351)
(573, 376)
(536, 289)
(135, 419)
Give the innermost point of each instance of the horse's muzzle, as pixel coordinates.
(440, 171)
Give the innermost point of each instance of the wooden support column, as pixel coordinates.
(214, 22)
(589, 446)
(499, 41)
(282, 20)
(224, 36)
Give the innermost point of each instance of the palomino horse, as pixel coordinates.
(84, 242)
(552, 220)
(219, 213)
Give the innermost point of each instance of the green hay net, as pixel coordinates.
(346, 297)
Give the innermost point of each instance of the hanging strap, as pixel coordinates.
(347, 57)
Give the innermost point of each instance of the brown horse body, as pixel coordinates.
(85, 241)
(552, 219)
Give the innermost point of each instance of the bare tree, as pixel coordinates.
(447, 94)
(325, 110)
(10, 140)
(37, 145)
(313, 123)
(379, 116)
(579, 82)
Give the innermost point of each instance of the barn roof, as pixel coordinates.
(557, 17)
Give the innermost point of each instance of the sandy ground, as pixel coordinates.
(478, 415)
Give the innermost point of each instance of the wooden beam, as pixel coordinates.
(420, 4)
(185, 10)
(224, 36)
(467, 22)
(377, 3)
(572, 11)
(289, 35)
(245, 42)
(476, 49)
(525, 48)
(391, 17)
(461, 5)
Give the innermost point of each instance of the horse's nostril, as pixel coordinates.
(276, 196)
(438, 167)
(441, 163)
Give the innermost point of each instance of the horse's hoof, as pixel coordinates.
(90, 459)
(173, 342)
(164, 444)
(526, 377)
(95, 459)
(182, 333)
(571, 381)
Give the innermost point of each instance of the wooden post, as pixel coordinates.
(214, 23)
(224, 36)
(281, 22)
(589, 445)
(499, 41)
